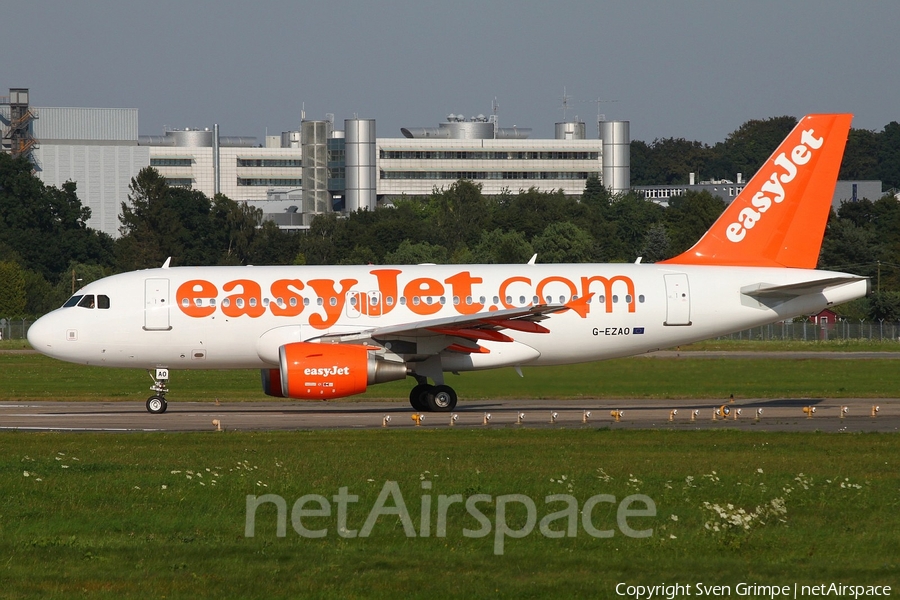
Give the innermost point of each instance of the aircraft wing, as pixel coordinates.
(792, 290)
(467, 329)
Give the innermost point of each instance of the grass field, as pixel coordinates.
(164, 515)
(35, 377)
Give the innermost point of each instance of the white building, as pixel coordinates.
(244, 171)
(415, 167)
(499, 159)
(97, 149)
(351, 169)
(316, 169)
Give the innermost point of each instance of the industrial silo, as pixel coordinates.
(572, 130)
(360, 167)
(616, 136)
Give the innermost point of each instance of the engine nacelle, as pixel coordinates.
(312, 371)
(271, 382)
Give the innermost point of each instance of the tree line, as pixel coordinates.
(46, 248)
(868, 155)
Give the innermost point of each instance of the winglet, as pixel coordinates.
(779, 218)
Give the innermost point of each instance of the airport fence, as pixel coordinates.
(806, 331)
(14, 329)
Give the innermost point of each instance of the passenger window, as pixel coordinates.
(615, 298)
(73, 301)
(87, 301)
(389, 300)
(102, 301)
(641, 298)
(601, 299)
(628, 298)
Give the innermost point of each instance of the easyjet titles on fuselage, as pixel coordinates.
(423, 296)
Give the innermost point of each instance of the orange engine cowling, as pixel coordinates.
(313, 371)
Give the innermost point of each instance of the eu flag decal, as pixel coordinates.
(637, 330)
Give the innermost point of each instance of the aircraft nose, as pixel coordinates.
(41, 334)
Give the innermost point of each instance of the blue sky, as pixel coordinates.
(692, 69)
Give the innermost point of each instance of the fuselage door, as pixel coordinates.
(156, 305)
(354, 304)
(374, 307)
(363, 303)
(678, 299)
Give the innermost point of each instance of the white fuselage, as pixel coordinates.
(238, 317)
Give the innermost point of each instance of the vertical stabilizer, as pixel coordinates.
(779, 218)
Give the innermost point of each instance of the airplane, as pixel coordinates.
(325, 332)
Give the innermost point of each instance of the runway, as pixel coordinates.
(773, 415)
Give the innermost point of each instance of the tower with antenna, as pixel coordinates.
(569, 130)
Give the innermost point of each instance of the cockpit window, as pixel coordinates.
(72, 301)
(88, 301)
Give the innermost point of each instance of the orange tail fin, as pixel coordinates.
(779, 218)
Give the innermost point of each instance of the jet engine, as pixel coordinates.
(311, 371)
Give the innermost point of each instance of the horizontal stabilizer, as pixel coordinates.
(792, 290)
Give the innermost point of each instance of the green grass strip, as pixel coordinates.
(163, 515)
(35, 377)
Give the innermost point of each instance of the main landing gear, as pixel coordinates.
(432, 398)
(156, 404)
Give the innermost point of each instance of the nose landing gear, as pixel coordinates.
(157, 404)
